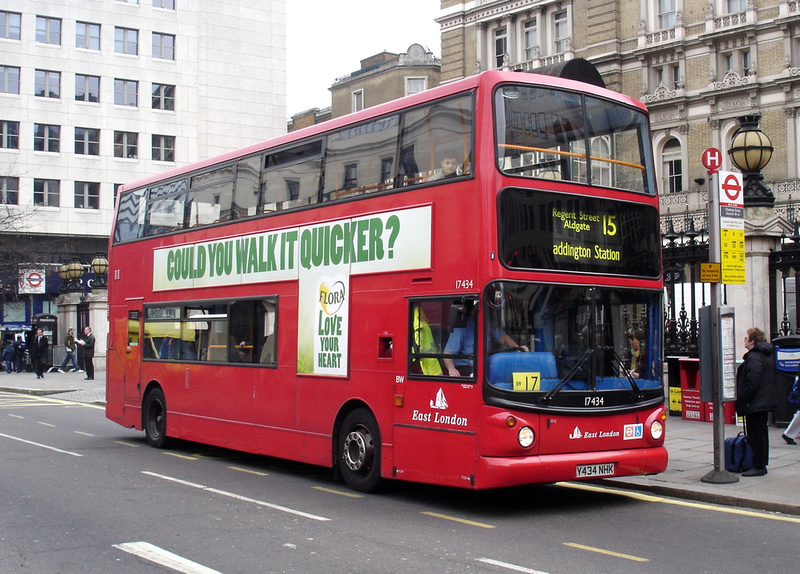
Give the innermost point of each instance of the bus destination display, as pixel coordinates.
(553, 231)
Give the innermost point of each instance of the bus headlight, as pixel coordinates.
(656, 430)
(525, 437)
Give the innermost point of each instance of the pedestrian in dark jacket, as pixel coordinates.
(39, 353)
(755, 396)
(87, 344)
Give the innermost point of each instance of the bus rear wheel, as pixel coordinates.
(154, 418)
(360, 451)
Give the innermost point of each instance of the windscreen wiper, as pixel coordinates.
(628, 374)
(568, 377)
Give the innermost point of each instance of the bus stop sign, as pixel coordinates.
(712, 159)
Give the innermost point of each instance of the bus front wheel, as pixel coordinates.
(360, 451)
(154, 418)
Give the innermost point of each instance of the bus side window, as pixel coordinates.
(248, 192)
(212, 197)
(293, 177)
(428, 328)
(359, 160)
(432, 133)
(130, 219)
(166, 208)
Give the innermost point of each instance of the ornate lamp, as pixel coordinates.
(62, 272)
(74, 272)
(751, 151)
(99, 268)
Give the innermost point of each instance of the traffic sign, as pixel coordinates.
(712, 159)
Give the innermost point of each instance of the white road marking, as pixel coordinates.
(508, 566)
(238, 497)
(40, 445)
(156, 555)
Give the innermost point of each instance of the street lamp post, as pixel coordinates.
(750, 151)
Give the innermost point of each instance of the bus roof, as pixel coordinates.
(491, 78)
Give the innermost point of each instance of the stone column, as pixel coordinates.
(98, 321)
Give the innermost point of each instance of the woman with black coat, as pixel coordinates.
(755, 396)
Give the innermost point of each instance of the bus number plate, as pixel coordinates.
(593, 470)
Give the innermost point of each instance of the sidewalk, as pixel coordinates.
(689, 443)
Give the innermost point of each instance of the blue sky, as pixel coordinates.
(327, 39)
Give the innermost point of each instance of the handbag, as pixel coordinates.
(794, 394)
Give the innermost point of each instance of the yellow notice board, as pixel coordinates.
(527, 381)
(732, 254)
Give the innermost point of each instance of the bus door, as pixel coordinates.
(434, 430)
(123, 359)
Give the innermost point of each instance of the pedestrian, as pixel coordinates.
(87, 344)
(755, 396)
(69, 343)
(8, 355)
(793, 429)
(20, 348)
(38, 352)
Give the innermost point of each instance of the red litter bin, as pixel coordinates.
(691, 406)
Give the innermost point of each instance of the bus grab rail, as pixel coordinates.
(572, 154)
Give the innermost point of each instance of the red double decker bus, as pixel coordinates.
(462, 287)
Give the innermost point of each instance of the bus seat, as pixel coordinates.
(502, 366)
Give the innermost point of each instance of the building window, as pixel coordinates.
(10, 25)
(672, 167)
(46, 137)
(738, 61)
(500, 46)
(126, 144)
(416, 85)
(48, 30)
(87, 195)
(736, 6)
(358, 100)
(163, 148)
(126, 93)
(747, 63)
(87, 35)
(163, 97)
(47, 84)
(531, 37)
(46, 192)
(9, 190)
(666, 14)
(669, 76)
(126, 41)
(9, 135)
(87, 141)
(129, 1)
(163, 46)
(9, 80)
(87, 88)
(560, 31)
(166, 4)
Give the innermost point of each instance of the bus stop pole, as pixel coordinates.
(719, 475)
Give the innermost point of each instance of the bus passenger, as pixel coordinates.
(462, 342)
(638, 363)
(449, 169)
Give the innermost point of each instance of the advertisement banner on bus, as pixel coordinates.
(321, 257)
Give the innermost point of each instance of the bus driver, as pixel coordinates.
(462, 342)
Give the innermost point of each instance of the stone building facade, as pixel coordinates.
(698, 65)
